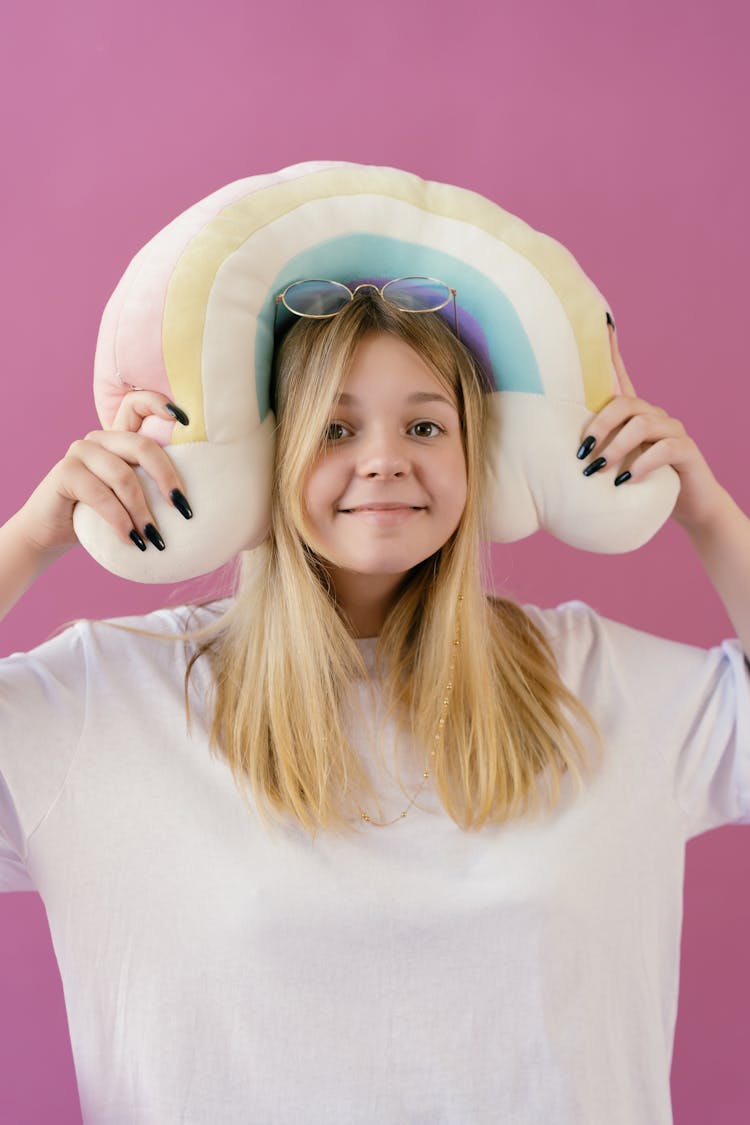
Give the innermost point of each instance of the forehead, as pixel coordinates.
(415, 398)
(386, 366)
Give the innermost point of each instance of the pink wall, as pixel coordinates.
(621, 130)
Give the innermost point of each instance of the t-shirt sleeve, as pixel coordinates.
(42, 710)
(681, 711)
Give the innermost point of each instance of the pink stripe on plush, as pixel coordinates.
(138, 358)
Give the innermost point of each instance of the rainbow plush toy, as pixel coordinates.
(193, 318)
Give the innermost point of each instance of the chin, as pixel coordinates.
(370, 568)
(386, 568)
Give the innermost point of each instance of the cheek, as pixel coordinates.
(455, 482)
(323, 488)
(459, 498)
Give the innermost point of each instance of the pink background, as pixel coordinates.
(620, 131)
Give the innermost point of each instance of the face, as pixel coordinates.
(389, 489)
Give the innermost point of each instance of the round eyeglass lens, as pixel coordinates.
(316, 297)
(417, 294)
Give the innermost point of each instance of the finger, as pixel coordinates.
(135, 449)
(619, 365)
(674, 451)
(643, 429)
(111, 489)
(603, 426)
(117, 478)
(137, 405)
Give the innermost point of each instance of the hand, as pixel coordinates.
(99, 471)
(644, 437)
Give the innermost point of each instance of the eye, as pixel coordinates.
(336, 431)
(426, 429)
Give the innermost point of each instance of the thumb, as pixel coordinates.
(626, 385)
(137, 405)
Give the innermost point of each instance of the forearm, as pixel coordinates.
(723, 547)
(20, 564)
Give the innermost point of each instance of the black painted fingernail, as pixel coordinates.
(137, 540)
(623, 477)
(585, 447)
(154, 537)
(595, 466)
(179, 415)
(181, 504)
(610, 321)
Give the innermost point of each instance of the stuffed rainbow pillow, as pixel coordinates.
(193, 318)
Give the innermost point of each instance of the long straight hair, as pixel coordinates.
(285, 660)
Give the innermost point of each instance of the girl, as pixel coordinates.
(365, 843)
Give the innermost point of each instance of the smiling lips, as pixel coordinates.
(383, 515)
(384, 508)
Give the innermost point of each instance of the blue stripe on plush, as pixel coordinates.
(502, 344)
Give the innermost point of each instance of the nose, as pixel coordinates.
(383, 458)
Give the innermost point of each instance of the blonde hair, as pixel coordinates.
(285, 660)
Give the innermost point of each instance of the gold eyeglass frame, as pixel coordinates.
(281, 298)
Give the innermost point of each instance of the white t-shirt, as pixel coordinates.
(526, 973)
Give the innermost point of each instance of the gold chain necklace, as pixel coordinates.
(365, 816)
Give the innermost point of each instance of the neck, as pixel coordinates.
(365, 599)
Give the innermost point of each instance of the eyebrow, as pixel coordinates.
(418, 396)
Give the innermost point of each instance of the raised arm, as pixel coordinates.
(722, 542)
(717, 527)
(100, 471)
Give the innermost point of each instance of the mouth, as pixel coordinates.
(384, 516)
(383, 508)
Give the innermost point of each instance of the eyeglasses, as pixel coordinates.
(319, 298)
